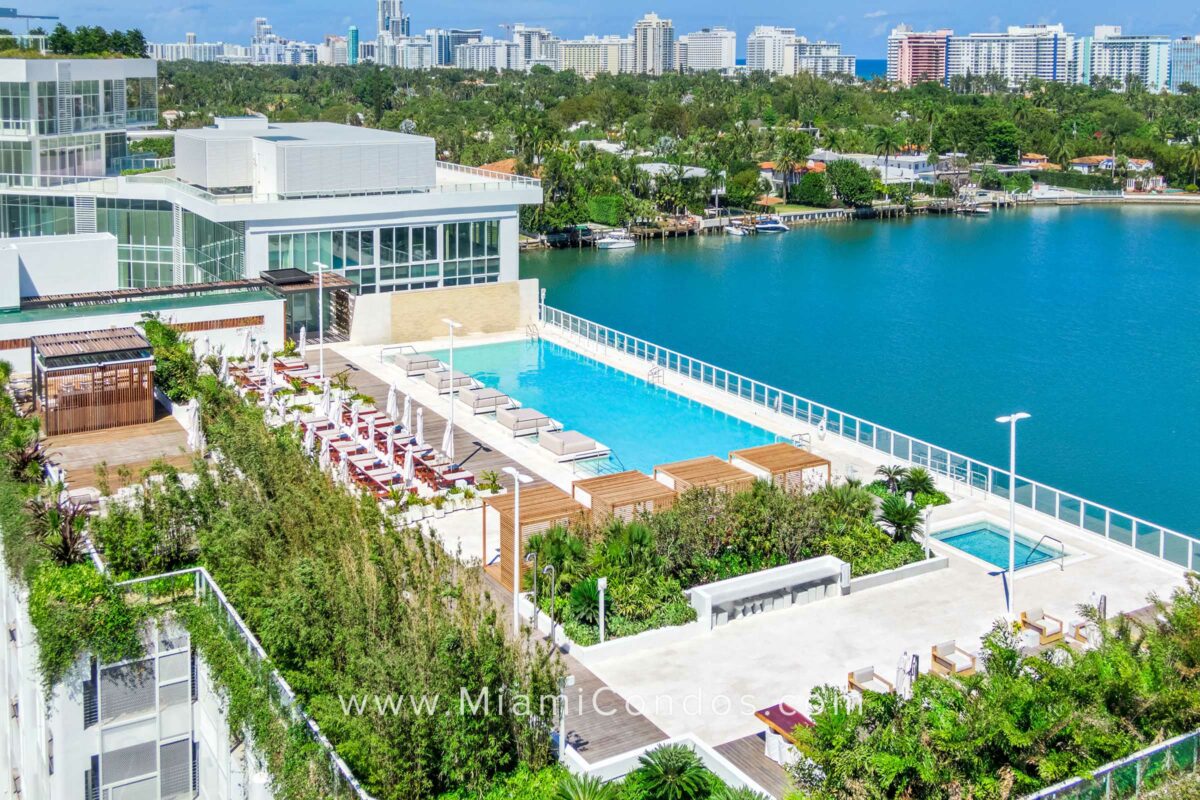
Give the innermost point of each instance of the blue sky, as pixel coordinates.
(861, 25)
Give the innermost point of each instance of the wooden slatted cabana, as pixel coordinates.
(706, 471)
(785, 465)
(542, 508)
(92, 380)
(623, 495)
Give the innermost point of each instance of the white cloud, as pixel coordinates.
(875, 14)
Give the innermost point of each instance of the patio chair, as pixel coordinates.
(1049, 629)
(568, 445)
(948, 658)
(868, 680)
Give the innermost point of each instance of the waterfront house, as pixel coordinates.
(1138, 172)
(777, 176)
(1037, 161)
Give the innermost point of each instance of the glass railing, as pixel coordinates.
(1133, 776)
(1115, 526)
(141, 116)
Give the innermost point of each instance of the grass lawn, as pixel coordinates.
(789, 208)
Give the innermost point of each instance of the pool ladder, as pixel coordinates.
(1062, 551)
(656, 375)
(532, 332)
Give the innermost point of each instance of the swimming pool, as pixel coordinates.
(644, 424)
(990, 544)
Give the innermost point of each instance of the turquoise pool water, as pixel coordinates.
(991, 545)
(1086, 317)
(644, 424)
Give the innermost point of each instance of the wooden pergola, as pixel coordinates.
(623, 495)
(92, 380)
(542, 508)
(707, 471)
(786, 465)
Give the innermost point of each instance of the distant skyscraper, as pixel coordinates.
(1110, 54)
(1185, 62)
(916, 56)
(352, 45)
(489, 53)
(593, 55)
(1020, 53)
(769, 49)
(708, 49)
(653, 45)
(538, 45)
(389, 16)
(820, 58)
(444, 40)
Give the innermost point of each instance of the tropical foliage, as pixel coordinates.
(668, 772)
(1021, 723)
(706, 536)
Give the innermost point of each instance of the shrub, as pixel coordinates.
(813, 190)
(673, 772)
(606, 209)
(918, 481)
(899, 515)
(852, 183)
(585, 601)
(175, 367)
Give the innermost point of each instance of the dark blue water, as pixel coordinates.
(1088, 318)
(867, 68)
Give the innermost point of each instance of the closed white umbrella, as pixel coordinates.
(302, 344)
(410, 469)
(420, 435)
(355, 407)
(371, 433)
(309, 440)
(193, 427)
(902, 677)
(391, 407)
(345, 470)
(324, 453)
(448, 441)
(246, 345)
(406, 417)
(391, 445)
(223, 373)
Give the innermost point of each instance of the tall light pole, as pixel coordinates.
(602, 584)
(452, 325)
(1011, 421)
(321, 314)
(518, 478)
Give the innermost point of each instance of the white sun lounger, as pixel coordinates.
(416, 363)
(484, 399)
(441, 380)
(522, 421)
(571, 445)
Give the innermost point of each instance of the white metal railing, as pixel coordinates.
(206, 589)
(1133, 775)
(491, 175)
(1125, 529)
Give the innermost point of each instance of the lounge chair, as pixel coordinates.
(415, 363)
(484, 399)
(1049, 629)
(868, 680)
(570, 445)
(522, 421)
(948, 658)
(440, 380)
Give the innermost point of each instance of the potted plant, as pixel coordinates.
(489, 482)
(439, 505)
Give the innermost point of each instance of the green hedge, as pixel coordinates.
(1074, 180)
(606, 209)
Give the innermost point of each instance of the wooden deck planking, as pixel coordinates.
(748, 754)
(599, 724)
(134, 447)
(368, 383)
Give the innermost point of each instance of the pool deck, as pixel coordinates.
(782, 655)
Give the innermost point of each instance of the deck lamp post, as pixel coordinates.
(518, 478)
(1011, 421)
(321, 314)
(532, 558)
(453, 326)
(602, 584)
(563, 684)
(549, 570)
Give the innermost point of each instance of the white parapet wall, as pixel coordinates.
(42, 265)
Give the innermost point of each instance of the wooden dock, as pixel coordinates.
(130, 448)
(749, 755)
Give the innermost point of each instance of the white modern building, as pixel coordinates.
(1112, 55)
(192, 50)
(593, 55)
(444, 40)
(410, 52)
(538, 45)
(489, 53)
(390, 18)
(268, 47)
(334, 51)
(707, 50)
(770, 49)
(653, 45)
(1185, 62)
(821, 58)
(1016, 55)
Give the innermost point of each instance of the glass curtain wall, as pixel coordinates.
(143, 228)
(471, 252)
(22, 215)
(14, 107)
(212, 251)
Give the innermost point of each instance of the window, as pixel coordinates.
(471, 252)
(14, 107)
(145, 239)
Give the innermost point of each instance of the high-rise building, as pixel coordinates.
(267, 47)
(917, 56)
(1016, 55)
(489, 53)
(410, 52)
(1185, 63)
(708, 49)
(444, 40)
(593, 55)
(389, 18)
(334, 51)
(1110, 54)
(538, 45)
(352, 45)
(769, 49)
(820, 58)
(192, 50)
(653, 45)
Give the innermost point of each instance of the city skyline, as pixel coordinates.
(861, 26)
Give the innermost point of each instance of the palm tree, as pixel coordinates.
(901, 516)
(585, 787)
(887, 141)
(56, 526)
(673, 772)
(1191, 156)
(1062, 149)
(892, 476)
(918, 481)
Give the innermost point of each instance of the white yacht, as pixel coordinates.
(616, 239)
(769, 223)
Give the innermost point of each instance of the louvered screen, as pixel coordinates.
(127, 689)
(128, 762)
(175, 769)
